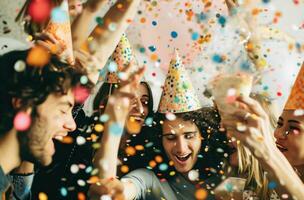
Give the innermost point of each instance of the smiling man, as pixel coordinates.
(36, 107)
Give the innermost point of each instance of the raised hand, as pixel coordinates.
(250, 124)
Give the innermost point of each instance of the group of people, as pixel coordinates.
(57, 143)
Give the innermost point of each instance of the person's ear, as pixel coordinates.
(17, 105)
(16, 102)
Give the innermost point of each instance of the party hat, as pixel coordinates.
(178, 94)
(296, 97)
(121, 57)
(60, 27)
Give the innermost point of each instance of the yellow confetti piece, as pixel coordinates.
(42, 196)
(99, 128)
(139, 147)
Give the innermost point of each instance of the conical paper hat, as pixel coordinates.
(296, 97)
(60, 27)
(178, 93)
(122, 56)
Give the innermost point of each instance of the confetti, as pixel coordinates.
(201, 194)
(38, 56)
(80, 140)
(133, 127)
(42, 196)
(22, 121)
(20, 66)
(193, 175)
(80, 93)
(40, 10)
(74, 169)
(116, 129)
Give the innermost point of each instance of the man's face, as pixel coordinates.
(52, 121)
(182, 143)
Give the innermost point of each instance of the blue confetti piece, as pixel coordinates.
(116, 129)
(89, 169)
(149, 121)
(58, 15)
(195, 36)
(163, 167)
(222, 20)
(149, 144)
(112, 67)
(217, 58)
(272, 185)
(104, 118)
(142, 50)
(229, 187)
(154, 23)
(63, 192)
(152, 48)
(174, 34)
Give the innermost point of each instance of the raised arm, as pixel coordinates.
(106, 36)
(104, 39)
(118, 107)
(251, 127)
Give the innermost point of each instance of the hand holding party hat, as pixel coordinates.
(60, 28)
(296, 97)
(178, 94)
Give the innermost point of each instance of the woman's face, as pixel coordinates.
(182, 143)
(289, 136)
(140, 109)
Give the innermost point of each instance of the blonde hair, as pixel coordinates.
(247, 163)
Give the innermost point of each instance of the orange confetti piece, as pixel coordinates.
(158, 159)
(93, 180)
(38, 56)
(133, 127)
(143, 20)
(139, 147)
(124, 169)
(67, 140)
(154, 57)
(152, 164)
(81, 196)
(201, 194)
(131, 151)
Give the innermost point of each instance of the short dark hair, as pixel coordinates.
(207, 120)
(32, 85)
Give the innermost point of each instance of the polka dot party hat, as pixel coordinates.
(60, 27)
(296, 97)
(178, 93)
(120, 58)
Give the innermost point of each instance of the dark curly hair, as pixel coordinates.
(214, 143)
(32, 85)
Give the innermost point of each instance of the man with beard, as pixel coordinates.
(36, 107)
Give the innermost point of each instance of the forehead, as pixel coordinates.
(178, 125)
(142, 90)
(290, 115)
(54, 99)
